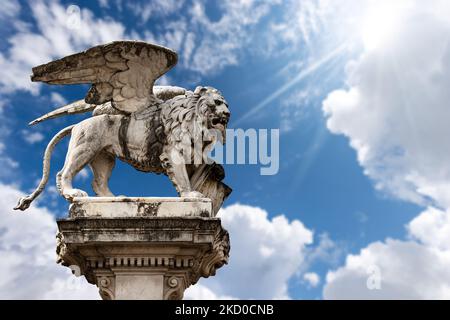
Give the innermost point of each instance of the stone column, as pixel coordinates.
(142, 248)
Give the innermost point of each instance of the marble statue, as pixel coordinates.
(161, 129)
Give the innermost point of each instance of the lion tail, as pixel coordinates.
(24, 202)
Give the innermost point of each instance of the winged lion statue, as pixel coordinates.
(161, 129)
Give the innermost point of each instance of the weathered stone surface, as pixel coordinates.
(164, 130)
(110, 207)
(145, 248)
(143, 257)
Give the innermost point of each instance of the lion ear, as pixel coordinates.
(200, 90)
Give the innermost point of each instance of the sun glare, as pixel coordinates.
(380, 23)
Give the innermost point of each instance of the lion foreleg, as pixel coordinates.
(175, 165)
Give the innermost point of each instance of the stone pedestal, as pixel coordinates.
(142, 248)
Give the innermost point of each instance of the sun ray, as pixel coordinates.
(309, 70)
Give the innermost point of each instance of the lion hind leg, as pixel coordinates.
(77, 158)
(101, 167)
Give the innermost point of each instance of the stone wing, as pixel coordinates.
(122, 72)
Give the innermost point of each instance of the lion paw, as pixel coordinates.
(192, 194)
(74, 193)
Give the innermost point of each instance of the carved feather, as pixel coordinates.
(122, 72)
(72, 108)
(163, 93)
(168, 92)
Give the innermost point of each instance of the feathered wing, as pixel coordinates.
(163, 93)
(72, 108)
(168, 92)
(121, 72)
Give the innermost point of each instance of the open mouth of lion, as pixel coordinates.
(219, 123)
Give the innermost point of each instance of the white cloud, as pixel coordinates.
(220, 46)
(315, 26)
(200, 292)
(52, 38)
(265, 254)
(407, 270)
(312, 278)
(295, 108)
(207, 46)
(7, 164)
(10, 8)
(432, 228)
(28, 268)
(156, 8)
(165, 80)
(32, 137)
(57, 99)
(83, 174)
(395, 114)
(325, 250)
(300, 23)
(103, 3)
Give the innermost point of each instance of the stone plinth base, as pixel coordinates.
(120, 207)
(134, 248)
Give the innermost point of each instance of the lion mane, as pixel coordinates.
(185, 122)
(184, 119)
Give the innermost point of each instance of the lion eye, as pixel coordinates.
(217, 102)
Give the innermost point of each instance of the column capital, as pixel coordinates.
(143, 257)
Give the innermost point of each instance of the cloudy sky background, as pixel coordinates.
(359, 91)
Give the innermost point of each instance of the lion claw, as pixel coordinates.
(192, 194)
(75, 193)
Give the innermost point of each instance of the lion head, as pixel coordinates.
(194, 121)
(213, 110)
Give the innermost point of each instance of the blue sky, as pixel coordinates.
(362, 164)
